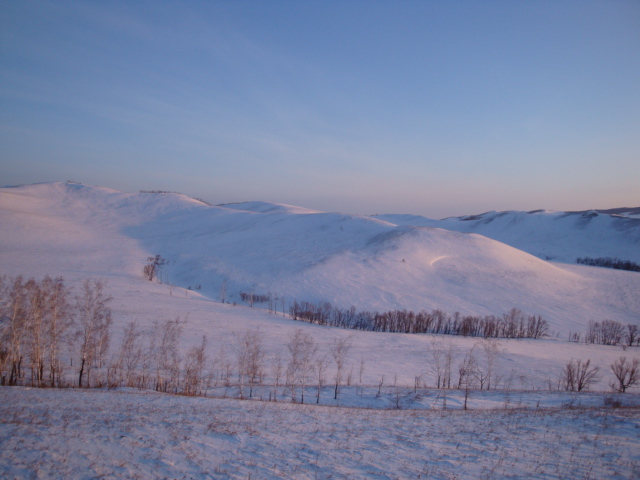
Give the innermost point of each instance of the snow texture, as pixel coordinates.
(519, 431)
(347, 260)
(96, 434)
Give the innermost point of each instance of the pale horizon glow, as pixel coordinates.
(423, 107)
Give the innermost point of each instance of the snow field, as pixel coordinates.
(84, 232)
(79, 231)
(140, 435)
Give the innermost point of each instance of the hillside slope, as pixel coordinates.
(558, 236)
(79, 231)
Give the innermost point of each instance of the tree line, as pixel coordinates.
(42, 323)
(513, 324)
(53, 336)
(579, 375)
(609, 332)
(609, 262)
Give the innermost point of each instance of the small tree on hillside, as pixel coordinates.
(340, 352)
(36, 313)
(125, 363)
(633, 334)
(195, 362)
(153, 268)
(627, 373)
(321, 363)
(276, 372)
(223, 291)
(578, 375)
(14, 330)
(491, 350)
(164, 352)
(60, 318)
(436, 366)
(94, 317)
(250, 356)
(301, 351)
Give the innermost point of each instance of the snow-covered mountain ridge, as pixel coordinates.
(299, 254)
(558, 236)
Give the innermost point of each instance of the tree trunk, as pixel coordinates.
(81, 373)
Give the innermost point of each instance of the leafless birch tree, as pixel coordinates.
(195, 363)
(250, 356)
(340, 352)
(301, 351)
(94, 317)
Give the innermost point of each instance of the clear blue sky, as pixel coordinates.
(432, 107)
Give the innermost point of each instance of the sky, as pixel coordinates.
(438, 108)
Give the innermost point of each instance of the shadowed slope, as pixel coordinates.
(77, 231)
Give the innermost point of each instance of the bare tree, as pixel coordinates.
(436, 366)
(466, 370)
(60, 319)
(125, 365)
(612, 332)
(301, 351)
(153, 268)
(449, 357)
(276, 372)
(34, 316)
(15, 328)
(147, 359)
(223, 291)
(627, 373)
(195, 363)
(36, 311)
(578, 375)
(442, 358)
(633, 334)
(321, 363)
(340, 352)
(250, 356)
(484, 373)
(94, 317)
(224, 365)
(163, 349)
(361, 370)
(4, 330)
(609, 332)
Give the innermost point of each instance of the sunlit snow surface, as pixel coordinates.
(96, 434)
(300, 254)
(83, 232)
(559, 236)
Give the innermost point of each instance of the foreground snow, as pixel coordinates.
(77, 434)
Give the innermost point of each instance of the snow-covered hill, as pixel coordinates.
(558, 236)
(299, 254)
(81, 232)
